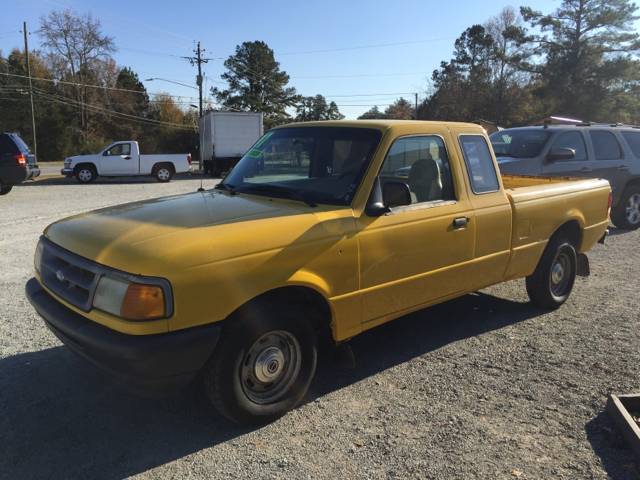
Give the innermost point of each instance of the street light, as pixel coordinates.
(171, 81)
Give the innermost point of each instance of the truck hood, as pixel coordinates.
(157, 236)
(76, 158)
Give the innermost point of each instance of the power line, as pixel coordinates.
(91, 86)
(368, 75)
(366, 46)
(150, 121)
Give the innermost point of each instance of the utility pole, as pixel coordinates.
(415, 113)
(199, 60)
(33, 115)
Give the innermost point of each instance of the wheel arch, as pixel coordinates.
(572, 231)
(85, 164)
(169, 165)
(310, 301)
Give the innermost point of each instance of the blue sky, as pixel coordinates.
(152, 36)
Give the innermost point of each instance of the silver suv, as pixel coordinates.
(586, 150)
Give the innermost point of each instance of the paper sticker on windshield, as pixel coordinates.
(264, 139)
(253, 153)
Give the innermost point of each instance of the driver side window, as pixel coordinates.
(423, 164)
(571, 140)
(120, 149)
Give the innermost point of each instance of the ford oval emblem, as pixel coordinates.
(60, 275)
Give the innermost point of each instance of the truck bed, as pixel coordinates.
(571, 200)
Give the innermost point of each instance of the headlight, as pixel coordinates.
(37, 258)
(67, 162)
(131, 301)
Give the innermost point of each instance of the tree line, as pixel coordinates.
(580, 62)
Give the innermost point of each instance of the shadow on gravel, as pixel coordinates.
(419, 333)
(613, 231)
(618, 460)
(60, 419)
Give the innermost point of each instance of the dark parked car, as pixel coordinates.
(17, 163)
(586, 150)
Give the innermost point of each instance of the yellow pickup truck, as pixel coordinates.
(322, 229)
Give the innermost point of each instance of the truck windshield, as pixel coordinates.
(518, 143)
(323, 165)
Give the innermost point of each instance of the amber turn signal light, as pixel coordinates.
(143, 302)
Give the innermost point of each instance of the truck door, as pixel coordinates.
(493, 211)
(419, 252)
(118, 160)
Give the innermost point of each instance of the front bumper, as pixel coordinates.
(148, 365)
(67, 172)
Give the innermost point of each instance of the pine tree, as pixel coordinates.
(257, 84)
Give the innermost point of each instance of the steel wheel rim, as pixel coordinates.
(163, 174)
(85, 175)
(633, 209)
(560, 274)
(271, 366)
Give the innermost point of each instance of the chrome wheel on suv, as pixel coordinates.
(626, 214)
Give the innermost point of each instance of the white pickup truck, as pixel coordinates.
(123, 159)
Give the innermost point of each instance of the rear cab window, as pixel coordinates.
(480, 166)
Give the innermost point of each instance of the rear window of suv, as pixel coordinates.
(605, 145)
(21, 145)
(633, 139)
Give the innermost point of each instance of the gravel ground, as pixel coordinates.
(484, 386)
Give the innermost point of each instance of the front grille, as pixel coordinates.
(69, 276)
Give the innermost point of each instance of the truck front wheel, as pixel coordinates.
(262, 365)
(86, 174)
(163, 173)
(551, 283)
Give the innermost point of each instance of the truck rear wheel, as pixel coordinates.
(86, 174)
(262, 365)
(163, 173)
(626, 215)
(551, 283)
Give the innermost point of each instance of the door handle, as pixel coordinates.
(127, 158)
(585, 169)
(460, 222)
(623, 167)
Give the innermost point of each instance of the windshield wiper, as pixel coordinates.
(230, 188)
(293, 195)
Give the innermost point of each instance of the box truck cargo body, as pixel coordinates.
(225, 137)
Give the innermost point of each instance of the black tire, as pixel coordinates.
(163, 173)
(263, 364)
(86, 174)
(626, 214)
(4, 189)
(551, 283)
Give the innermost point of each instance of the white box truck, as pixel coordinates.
(225, 137)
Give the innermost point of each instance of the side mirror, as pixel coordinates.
(396, 194)
(375, 206)
(106, 153)
(563, 153)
